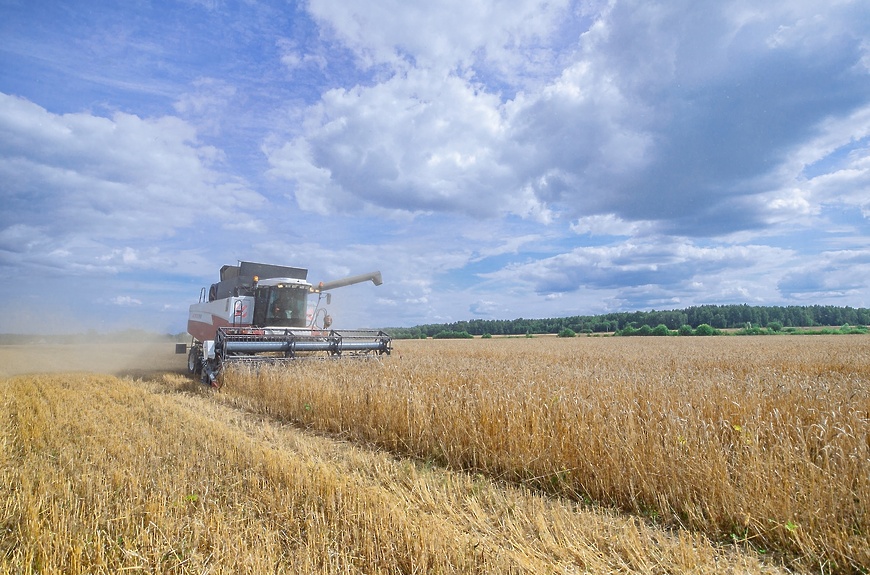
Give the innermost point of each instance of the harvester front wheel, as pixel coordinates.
(194, 360)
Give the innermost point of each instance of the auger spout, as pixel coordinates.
(375, 278)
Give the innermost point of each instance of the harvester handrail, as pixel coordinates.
(238, 311)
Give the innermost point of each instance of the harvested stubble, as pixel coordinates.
(104, 475)
(764, 442)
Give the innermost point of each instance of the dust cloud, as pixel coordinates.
(133, 359)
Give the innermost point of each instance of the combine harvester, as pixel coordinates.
(261, 313)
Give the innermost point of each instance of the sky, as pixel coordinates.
(538, 158)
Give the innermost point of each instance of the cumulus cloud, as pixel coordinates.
(834, 166)
(610, 225)
(99, 179)
(658, 117)
(665, 264)
(417, 143)
(484, 308)
(206, 103)
(658, 127)
(838, 274)
(294, 58)
(445, 35)
(719, 109)
(22, 238)
(125, 300)
(552, 157)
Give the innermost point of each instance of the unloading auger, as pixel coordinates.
(261, 313)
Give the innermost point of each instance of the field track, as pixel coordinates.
(140, 469)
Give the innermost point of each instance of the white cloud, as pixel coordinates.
(125, 301)
(112, 179)
(206, 104)
(620, 129)
(502, 244)
(544, 159)
(484, 308)
(835, 167)
(294, 59)
(657, 262)
(836, 274)
(445, 35)
(655, 126)
(417, 143)
(22, 238)
(610, 225)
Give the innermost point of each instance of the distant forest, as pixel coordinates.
(718, 316)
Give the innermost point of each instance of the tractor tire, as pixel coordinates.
(194, 360)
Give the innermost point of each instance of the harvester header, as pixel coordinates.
(261, 313)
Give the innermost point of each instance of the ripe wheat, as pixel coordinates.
(104, 475)
(759, 441)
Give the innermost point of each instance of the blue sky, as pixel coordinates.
(554, 158)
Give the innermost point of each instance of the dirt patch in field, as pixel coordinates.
(139, 360)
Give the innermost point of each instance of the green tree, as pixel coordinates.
(705, 329)
(661, 329)
(447, 334)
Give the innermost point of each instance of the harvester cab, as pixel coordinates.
(262, 313)
(281, 304)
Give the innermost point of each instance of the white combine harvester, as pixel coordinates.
(261, 313)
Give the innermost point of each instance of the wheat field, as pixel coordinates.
(541, 455)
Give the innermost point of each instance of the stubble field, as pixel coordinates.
(541, 455)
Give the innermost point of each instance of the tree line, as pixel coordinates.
(717, 316)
